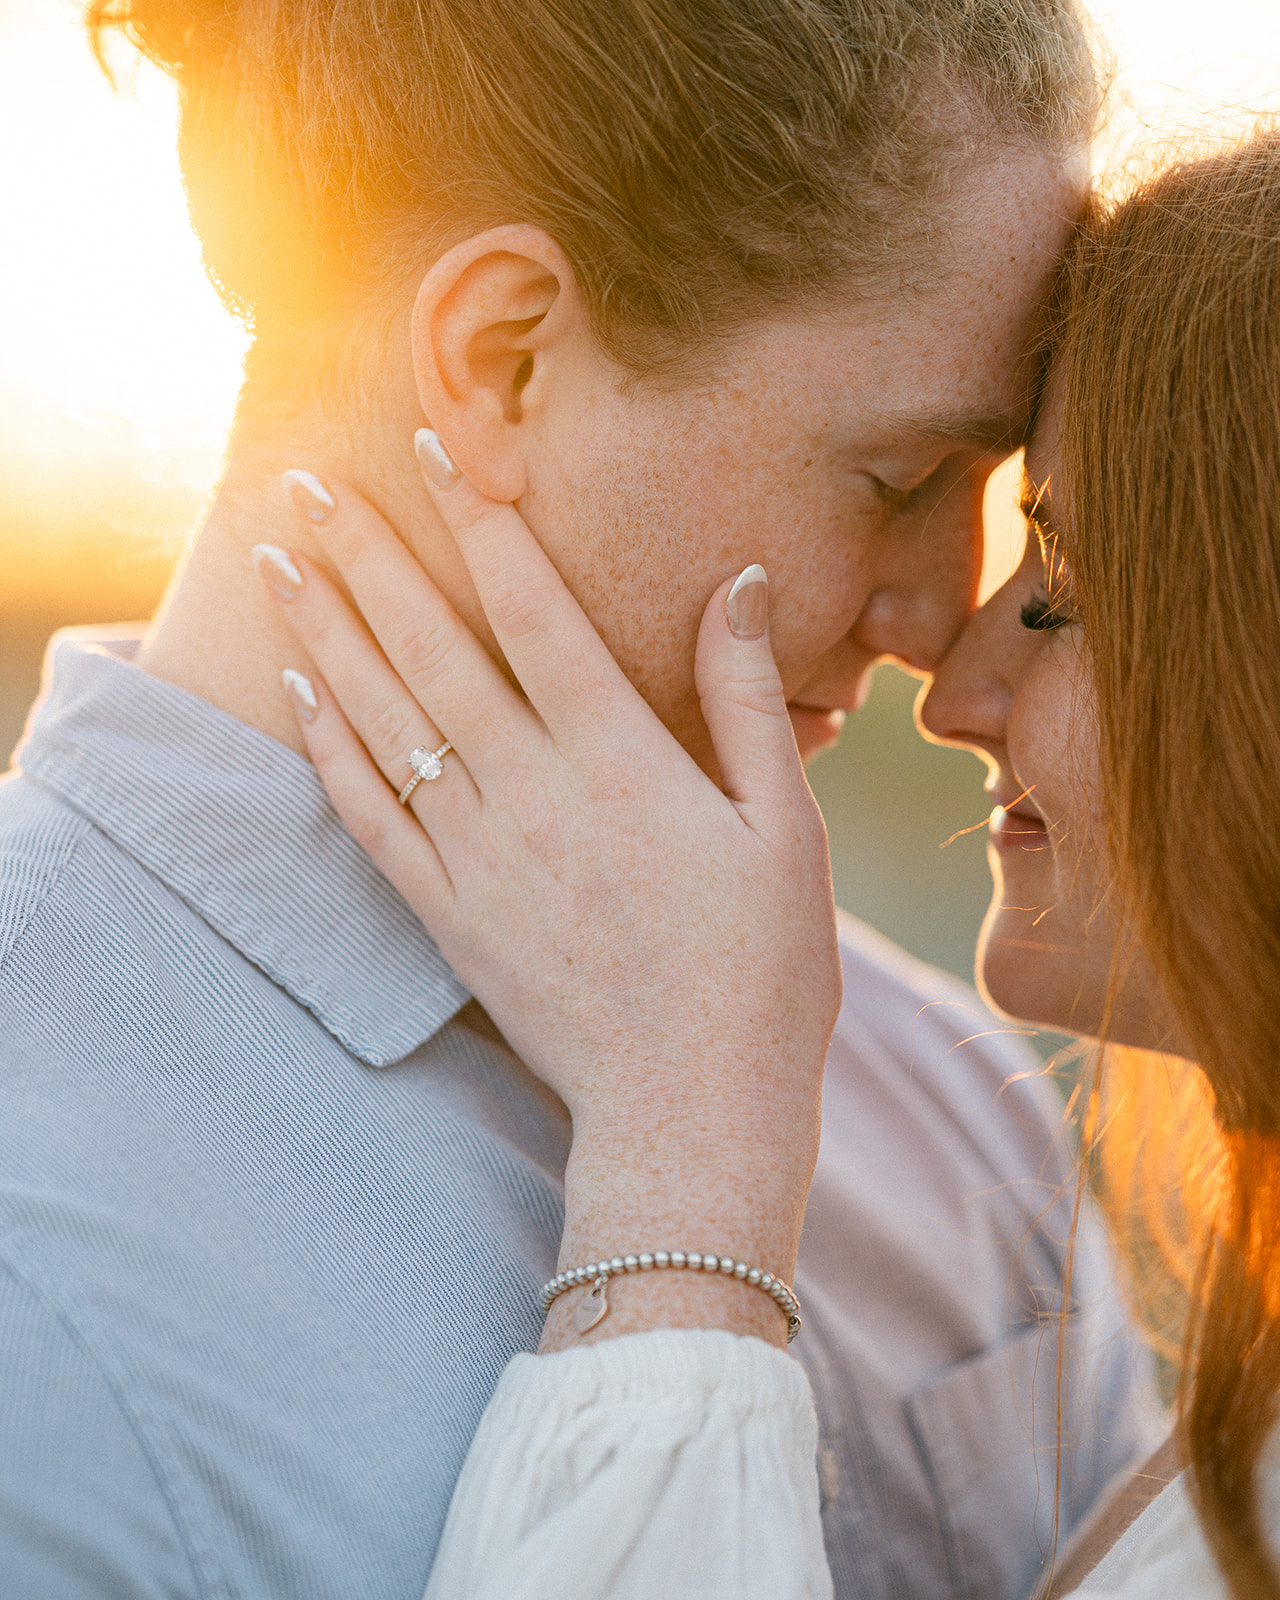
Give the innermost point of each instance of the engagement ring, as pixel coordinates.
(427, 766)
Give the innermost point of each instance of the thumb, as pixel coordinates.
(742, 696)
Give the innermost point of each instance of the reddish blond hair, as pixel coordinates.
(1168, 503)
(698, 160)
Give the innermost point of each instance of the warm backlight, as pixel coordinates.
(119, 365)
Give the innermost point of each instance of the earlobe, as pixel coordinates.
(491, 324)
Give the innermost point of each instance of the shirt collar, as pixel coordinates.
(241, 829)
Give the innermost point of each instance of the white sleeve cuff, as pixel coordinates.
(678, 1462)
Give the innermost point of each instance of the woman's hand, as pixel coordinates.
(660, 951)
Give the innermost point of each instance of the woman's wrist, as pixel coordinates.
(624, 1202)
(630, 1194)
(641, 1302)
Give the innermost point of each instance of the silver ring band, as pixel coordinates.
(427, 766)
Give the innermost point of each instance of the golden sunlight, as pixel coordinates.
(105, 308)
(120, 373)
(121, 367)
(1180, 65)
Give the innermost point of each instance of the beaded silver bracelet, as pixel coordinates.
(595, 1307)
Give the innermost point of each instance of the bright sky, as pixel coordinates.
(106, 316)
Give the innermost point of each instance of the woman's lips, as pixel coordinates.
(1014, 830)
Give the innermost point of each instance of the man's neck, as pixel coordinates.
(218, 634)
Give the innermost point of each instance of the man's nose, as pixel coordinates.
(928, 583)
(915, 627)
(916, 613)
(968, 701)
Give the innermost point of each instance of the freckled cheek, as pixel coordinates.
(645, 544)
(809, 627)
(1052, 744)
(807, 547)
(819, 564)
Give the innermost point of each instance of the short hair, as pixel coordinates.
(698, 160)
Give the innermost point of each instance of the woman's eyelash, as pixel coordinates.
(1040, 614)
(1051, 605)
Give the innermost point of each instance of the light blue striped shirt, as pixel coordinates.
(271, 1222)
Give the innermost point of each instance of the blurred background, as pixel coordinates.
(119, 370)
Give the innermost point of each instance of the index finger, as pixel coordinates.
(561, 662)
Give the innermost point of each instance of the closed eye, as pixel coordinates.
(895, 500)
(1041, 615)
(1052, 605)
(926, 491)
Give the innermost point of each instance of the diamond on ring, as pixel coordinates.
(427, 763)
(427, 766)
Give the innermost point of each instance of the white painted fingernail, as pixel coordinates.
(434, 459)
(301, 692)
(747, 604)
(277, 570)
(310, 497)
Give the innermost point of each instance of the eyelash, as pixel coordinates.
(1040, 615)
(895, 500)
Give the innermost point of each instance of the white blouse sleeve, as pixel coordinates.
(678, 1463)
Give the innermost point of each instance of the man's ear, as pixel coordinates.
(495, 320)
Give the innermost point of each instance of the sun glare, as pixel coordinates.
(115, 343)
(106, 316)
(1181, 66)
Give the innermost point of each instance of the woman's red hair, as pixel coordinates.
(1169, 507)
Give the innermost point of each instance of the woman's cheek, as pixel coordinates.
(1053, 743)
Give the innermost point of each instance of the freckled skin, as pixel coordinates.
(649, 499)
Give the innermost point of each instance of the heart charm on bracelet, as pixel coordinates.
(592, 1308)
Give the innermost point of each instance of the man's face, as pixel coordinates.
(846, 450)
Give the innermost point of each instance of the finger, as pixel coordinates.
(562, 664)
(374, 701)
(392, 838)
(436, 655)
(743, 701)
